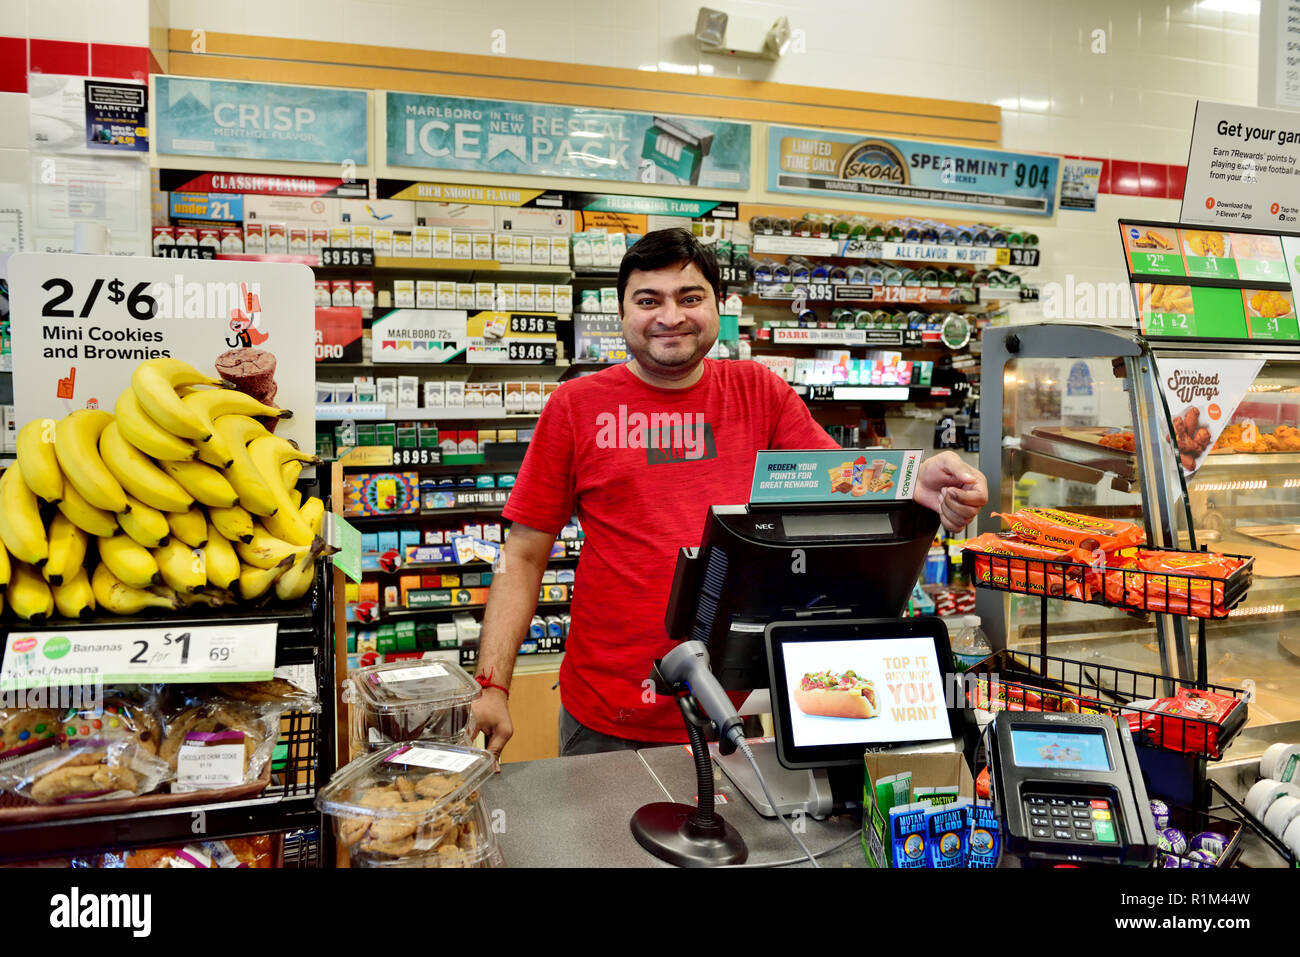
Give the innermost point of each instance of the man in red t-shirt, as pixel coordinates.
(640, 452)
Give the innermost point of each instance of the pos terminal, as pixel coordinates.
(1068, 788)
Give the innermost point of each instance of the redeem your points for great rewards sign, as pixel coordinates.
(835, 476)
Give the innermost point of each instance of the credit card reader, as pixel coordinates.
(1068, 788)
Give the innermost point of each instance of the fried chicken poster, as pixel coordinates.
(1202, 395)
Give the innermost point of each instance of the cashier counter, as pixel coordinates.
(574, 812)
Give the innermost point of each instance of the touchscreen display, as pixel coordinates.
(1067, 750)
(875, 691)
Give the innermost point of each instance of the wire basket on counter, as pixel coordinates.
(1133, 590)
(1029, 681)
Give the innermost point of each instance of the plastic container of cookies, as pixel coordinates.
(417, 803)
(409, 701)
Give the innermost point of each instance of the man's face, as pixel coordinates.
(670, 318)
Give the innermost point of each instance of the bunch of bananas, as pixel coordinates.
(179, 497)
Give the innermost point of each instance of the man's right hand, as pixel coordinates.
(491, 713)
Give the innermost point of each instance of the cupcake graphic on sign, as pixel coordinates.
(249, 369)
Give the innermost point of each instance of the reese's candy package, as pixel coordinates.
(1071, 530)
(1209, 709)
(1033, 577)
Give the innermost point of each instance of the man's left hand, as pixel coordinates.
(952, 488)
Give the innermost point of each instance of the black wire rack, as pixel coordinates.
(1133, 590)
(1028, 681)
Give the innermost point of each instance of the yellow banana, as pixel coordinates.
(255, 582)
(290, 471)
(155, 381)
(147, 435)
(29, 594)
(183, 569)
(222, 560)
(76, 443)
(203, 482)
(295, 583)
(190, 527)
(21, 527)
(130, 561)
(120, 598)
(212, 404)
(313, 513)
(147, 526)
(269, 453)
(139, 476)
(267, 551)
(236, 431)
(5, 568)
(37, 461)
(233, 523)
(75, 598)
(67, 550)
(295, 497)
(91, 520)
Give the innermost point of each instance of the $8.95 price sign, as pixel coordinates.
(159, 654)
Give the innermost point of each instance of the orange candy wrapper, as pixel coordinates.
(1210, 712)
(1067, 531)
(1030, 576)
(1150, 581)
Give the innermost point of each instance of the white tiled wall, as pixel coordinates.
(1128, 92)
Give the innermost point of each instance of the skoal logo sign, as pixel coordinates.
(874, 160)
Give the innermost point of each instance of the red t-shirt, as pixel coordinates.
(638, 506)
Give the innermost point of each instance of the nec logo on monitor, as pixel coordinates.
(674, 444)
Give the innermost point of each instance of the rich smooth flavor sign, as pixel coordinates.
(496, 136)
(824, 163)
(195, 117)
(1244, 168)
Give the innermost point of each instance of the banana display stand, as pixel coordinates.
(166, 630)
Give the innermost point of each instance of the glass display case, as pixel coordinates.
(1077, 417)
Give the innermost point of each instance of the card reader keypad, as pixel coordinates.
(1056, 817)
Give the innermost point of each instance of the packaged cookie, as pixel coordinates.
(212, 741)
(105, 749)
(280, 691)
(417, 804)
(408, 701)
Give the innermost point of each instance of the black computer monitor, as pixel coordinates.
(843, 687)
(758, 564)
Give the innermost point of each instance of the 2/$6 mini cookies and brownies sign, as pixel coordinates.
(82, 324)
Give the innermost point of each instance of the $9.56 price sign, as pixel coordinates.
(163, 653)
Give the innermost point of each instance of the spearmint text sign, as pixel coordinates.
(497, 136)
(824, 163)
(261, 121)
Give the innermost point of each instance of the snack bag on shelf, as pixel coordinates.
(215, 741)
(1003, 696)
(1072, 530)
(105, 749)
(233, 852)
(1207, 710)
(1155, 581)
(281, 691)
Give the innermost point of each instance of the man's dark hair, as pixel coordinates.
(668, 247)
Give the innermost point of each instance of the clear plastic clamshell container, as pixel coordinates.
(409, 701)
(412, 805)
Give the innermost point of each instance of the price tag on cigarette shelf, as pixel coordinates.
(164, 654)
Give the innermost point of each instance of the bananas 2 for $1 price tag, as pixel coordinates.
(49, 658)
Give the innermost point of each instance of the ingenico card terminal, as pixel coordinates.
(1068, 788)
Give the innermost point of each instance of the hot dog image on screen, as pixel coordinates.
(879, 690)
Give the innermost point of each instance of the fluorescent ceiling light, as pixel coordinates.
(1230, 6)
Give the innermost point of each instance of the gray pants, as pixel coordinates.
(577, 738)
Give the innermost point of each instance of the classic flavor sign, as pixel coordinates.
(499, 136)
(821, 163)
(261, 121)
(184, 180)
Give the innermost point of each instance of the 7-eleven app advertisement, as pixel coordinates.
(83, 324)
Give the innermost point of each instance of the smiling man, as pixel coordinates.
(640, 451)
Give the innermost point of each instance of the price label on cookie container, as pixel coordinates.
(210, 760)
(208, 653)
(435, 758)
